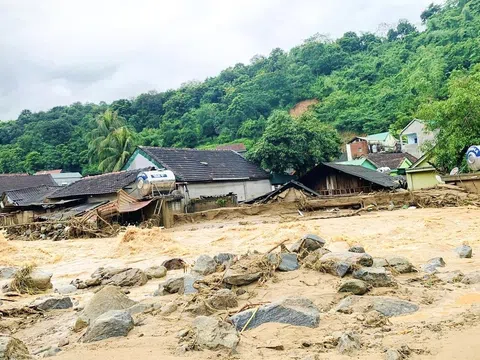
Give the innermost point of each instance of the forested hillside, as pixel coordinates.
(365, 83)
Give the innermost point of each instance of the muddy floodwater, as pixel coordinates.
(446, 326)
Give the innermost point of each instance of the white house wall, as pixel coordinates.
(245, 190)
(140, 162)
(423, 136)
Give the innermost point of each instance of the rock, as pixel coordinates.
(307, 244)
(7, 272)
(471, 278)
(63, 342)
(240, 276)
(393, 354)
(66, 289)
(139, 308)
(379, 262)
(156, 272)
(286, 262)
(222, 299)
(225, 259)
(357, 249)
(354, 286)
(348, 343)
(187, 287)
(349, 258)
(387, 306)
(464, 251)
(181, 284)
(296, 311)
(438, 262)
(108, 298)
(339, 269)
(214, 334)
(205, 265)
(450, 276)
(12, 349)
(41, 280)
(401, 265)
(174, 264)
(173, 286)
(52, 351)
(114, 323)
(377, 277)
(169, 309)
(121, 277)
(52, 303)
(311, 259)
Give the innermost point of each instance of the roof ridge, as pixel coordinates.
(185, 149)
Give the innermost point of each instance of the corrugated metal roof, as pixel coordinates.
(378, 137)
(30, 196)
(367, 174)
(23, 181)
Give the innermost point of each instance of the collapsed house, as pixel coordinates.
(207, 175)
(329, 179)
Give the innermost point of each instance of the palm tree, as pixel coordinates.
(115, 149)
(106, 123)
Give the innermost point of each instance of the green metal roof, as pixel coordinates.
(378, 137)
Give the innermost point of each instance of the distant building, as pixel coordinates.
(392, 161)
(23, 181)
(422, 174)
(414, 136)
(361, 146)
(60, 177)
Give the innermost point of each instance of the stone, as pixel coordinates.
(108, 298)
(205, 265)
(114, 323)
(214, 334)
(348, 343)
(175, 264)
(168, 309)
(471, 278)
(392, 354)
(357, 249)
(339, 269)
(173, 286)
(187, 288)
(225, 259)
(139, 308)
(379, 262)
(240, 276)
(308, 243)
(311, 259)
(52, 303)
(52, 351)
(401, 265)
(354, 286)
(63, 342)
(286, 262)
(297, 311)
(222, 299)
(66, 289)
(121, 277)
(12, 349)
(349, 258)
(377, 277)
(387, 306)
(464, 251)
(41, 280)
(156, 272)
(437, 262)
(450, 276)
(7, 272)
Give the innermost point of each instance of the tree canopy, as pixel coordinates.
(364, 83)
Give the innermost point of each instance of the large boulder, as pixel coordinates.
(35, 281)
(13, 349)
(108, 298)
(181, 284)
(242, 273)
(284, 261)
(52, 303)
(464, 251)
(354, 286)
(471, 278)
(386, 306)
(214, 334)
(225, 259)
(156, 272)
(401, 265)
(307, 244)
(222, 299)
(340, 263)
(431, 266)
(174, 264)
(120, 276)
(296, 311)
(205, 265)
(376, 277)
(114, 323)
(348, 343)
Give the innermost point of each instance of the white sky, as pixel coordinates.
(56, 52)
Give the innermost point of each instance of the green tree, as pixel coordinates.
(115, 149)
(33, 162)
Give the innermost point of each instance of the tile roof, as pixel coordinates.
(30, 196)
(390, 160)
(23, 181)
(367, 174)
(194, 165)
(58, 171)
(240, 147)
(97, 185)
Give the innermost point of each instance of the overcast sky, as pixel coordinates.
(56, 52)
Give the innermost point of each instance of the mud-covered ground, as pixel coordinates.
(447, 326)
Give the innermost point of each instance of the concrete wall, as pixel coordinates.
(422, 135)
(357, 149)
(245, 190)
(422, 179)
(140, 162)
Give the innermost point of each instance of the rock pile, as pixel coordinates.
(123, 277)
